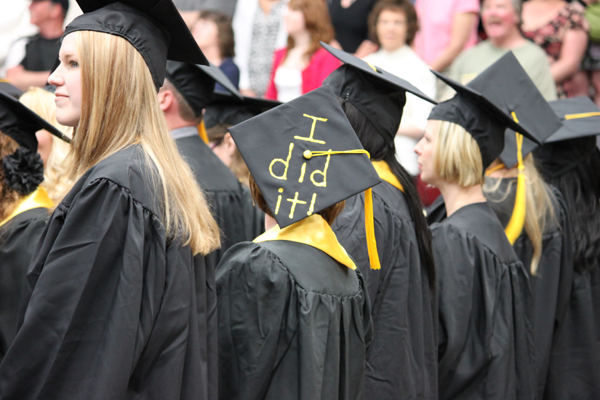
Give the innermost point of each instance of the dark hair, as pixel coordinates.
(329, 214)
(8, 195)
(318, 23)
(403, 6)
(380, 150)
(580, 187)
(225, 32)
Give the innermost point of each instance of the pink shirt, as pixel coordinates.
(435, 22)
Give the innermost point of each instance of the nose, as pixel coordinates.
(55, 78)
(417, 148)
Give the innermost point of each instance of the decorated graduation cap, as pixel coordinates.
(377, 94)
(574, 141)
(305, 157)
(196, 83)
(154, 27)
(492, 102)
(226, 109)
(24, 169)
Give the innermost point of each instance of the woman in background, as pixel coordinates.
(57, 177)
(303, 64)
(393, 25)
(214, 34)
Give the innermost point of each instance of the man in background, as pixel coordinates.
(31, 59)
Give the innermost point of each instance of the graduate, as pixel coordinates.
(400, 279)
(23, 206)
(188, 89)
(117, 305)
(570, 160)
(535, 220)
(485, 335)
(294, 315)
(224, 111)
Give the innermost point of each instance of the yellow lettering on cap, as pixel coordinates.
(324, 173)
(284, 162)
(278, 201)
(312, 130)
(294, 201)
(312, 205)
(302, 172)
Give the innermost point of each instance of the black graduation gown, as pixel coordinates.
(223, 190)
(18, 240)
(115, 309)
(485, 336)
(551, 285)
(402, 359)
(293, 324)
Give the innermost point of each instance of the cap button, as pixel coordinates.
(307, 154)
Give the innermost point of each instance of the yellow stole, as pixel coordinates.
(38, 199)
(386, 174)
(202, 132)
(313, 231)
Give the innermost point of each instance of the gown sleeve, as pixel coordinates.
(84, 327)
(257, 320)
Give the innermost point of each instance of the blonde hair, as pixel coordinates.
(539, 205)
(57, 178)
(456, 157)
(120, 108)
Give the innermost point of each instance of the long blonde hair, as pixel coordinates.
(539, 205)
(456, 157)
(57, 177)
(120, 108)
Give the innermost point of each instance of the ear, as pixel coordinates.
(229, 145)
(165, 100)
(56, 11)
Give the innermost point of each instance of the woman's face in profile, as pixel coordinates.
(425, 150)
(67, 79)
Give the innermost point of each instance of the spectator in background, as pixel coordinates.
(349, 19)
(57, 177)
(590, 73)
(214, 35)
(30, 59)
(501, 20)
(259, 30)
(393, 25)
(447, 27)
(303, 65)
(560, 29)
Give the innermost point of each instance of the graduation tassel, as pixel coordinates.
(202, 132)
(517, 220)
(370, 229)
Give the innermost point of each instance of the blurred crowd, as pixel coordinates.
(270, 48)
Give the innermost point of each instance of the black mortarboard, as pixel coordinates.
(574, 141)
(225, 109)
(377, 94)
(486, 105)
(21, 124)
(10, 89)
(279, 148)
(196, 83)
(154, 27)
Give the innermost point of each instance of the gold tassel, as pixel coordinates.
(370, 229)
(202, 132)
(517, 220)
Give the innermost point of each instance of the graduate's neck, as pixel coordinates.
(456, 197)
(270, 222)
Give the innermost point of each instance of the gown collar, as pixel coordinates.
(313, 231)
(386, 174)
(38, 199)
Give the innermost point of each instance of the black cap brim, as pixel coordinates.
(580, 119)
(218, 75)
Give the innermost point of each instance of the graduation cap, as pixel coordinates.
(574, 141)
(226, 109)
(379, 95)
(24, 169)
(154, 27)
(196, 83)
(494, 101)
(305, 157)
(9, 89)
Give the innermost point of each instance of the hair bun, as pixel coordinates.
(23, 170)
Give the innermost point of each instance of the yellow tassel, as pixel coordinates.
(202, 132)
(370, 229)
(517, 220)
